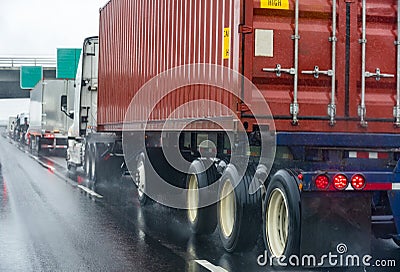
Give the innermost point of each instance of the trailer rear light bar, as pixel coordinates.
(49, 136)
(350, 181)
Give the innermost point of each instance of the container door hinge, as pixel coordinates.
(245, 29)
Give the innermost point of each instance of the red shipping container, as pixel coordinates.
(257, 38)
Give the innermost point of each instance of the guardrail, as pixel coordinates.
(27, 61)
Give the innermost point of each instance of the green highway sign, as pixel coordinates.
(67, 62)
(30, 76)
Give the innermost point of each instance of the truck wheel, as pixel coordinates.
(36, 148)
(71, 167)
(140, 180)
(239, 212)
(203, 220)
(31, 146)
(93, 170)
(87, 162)
(396, 241)
(281, 216)
(96, 170)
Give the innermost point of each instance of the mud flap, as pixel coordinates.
(335, 224)
(394, 198)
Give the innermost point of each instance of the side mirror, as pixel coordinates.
(71, 114)
(64, 103)
(64, 107)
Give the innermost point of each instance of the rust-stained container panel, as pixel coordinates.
(381, 54)
(273, 31)
(140, 39)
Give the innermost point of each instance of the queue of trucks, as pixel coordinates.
(18, 127)
(295, 133)
(44, 129)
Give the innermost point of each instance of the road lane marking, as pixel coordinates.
(51, 168)
(90, 192)
(210, 266)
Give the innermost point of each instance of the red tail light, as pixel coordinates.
(49, 136)
(322, 182)
(340, 182)
(358, 182)
(300, 177)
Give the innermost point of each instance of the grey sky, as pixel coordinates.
(38, 27)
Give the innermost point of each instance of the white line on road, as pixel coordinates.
(90, 192)
(43, 164)
(210, 266)
(53, 169)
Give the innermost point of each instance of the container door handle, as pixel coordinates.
(317, 72)
(378, 75)
(278, 70)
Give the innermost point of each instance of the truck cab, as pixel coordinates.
(21, 127)
(85, 102)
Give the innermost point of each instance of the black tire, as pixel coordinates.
(282, 209)
(93, 163)
(31, 144)
(396, 241)
(96, 168)
(71, 167)
(239, 213)
(140, 180)
(87, 162)
(203, 220)
(36, 147)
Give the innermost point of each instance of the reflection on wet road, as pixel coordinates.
(48, 224)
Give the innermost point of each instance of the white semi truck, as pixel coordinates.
(84, 103)
(48, 129)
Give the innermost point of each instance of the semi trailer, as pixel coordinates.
(49, 122)
(287, 112)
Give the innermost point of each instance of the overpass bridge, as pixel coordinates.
(10, 74)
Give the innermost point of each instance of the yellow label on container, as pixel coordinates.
(226, 54)
(275, 4)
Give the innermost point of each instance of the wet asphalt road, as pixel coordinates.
(48, 224)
